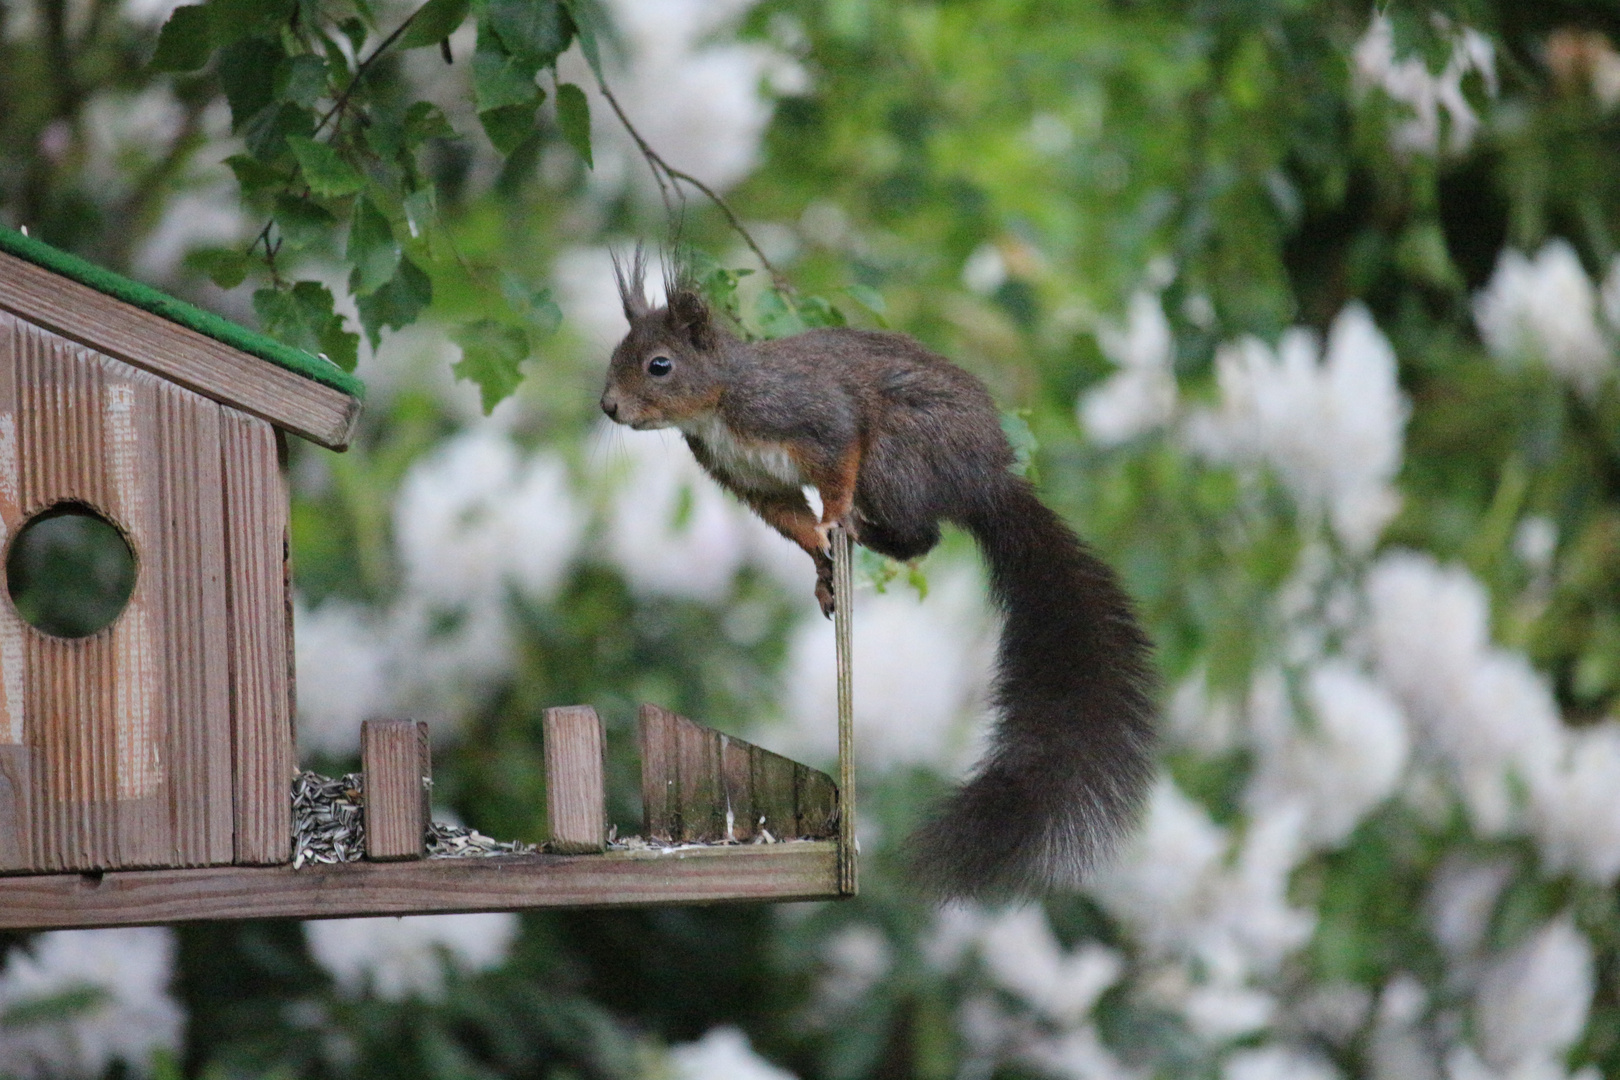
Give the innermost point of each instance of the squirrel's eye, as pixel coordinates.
(660, 365)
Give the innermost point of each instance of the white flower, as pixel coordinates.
(1024, 956)
(1461, 898)
(1141, 396)
(113, 990)
(344, 674)
(1277, 1063)
(1576, 808)
(723, 1054)
(1220, 1012)
(1483, 711)
(1463, 1063)
(1532, 1003)
(404, 957)
(858, 957)
(1343, 760)
(1078, 1054)
(472, 520)
(925, 660)
(1427, 95)
(985, 270)
(1330, 428)
(1545, 309)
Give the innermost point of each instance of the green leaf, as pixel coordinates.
(225, 267)
(1015, 425)
(253, 175)
(354, 28)
(303, 223)
(536, 306)
(185, 42)
(247, 74)
(537, 30)
(303, 318)
(301, 80)
(372, 248)
(420, 206)
(266, 133)
(776, 318)
(490, 356)
(500, 80)
(425, 120)
(868, 297)
(397, 303)
(588, 21)
(508, 127)
(237, 20)
(434, 21)
(574, 117)
(325, 170)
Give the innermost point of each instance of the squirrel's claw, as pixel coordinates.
(824, 596)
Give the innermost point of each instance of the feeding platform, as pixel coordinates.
(146, 762)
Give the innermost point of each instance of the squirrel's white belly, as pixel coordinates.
(749, 464)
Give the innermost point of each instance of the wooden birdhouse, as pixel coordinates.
(146, 750)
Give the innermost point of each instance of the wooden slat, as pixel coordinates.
(394, 757)
(177, 353)
(701, 786)
(261, 697)
(576, 792)
(659, 806)
(15, 781)
(757, 872)
(129, 728)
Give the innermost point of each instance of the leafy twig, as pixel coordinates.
(365, 65)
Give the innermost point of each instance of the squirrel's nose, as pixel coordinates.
(610, 406)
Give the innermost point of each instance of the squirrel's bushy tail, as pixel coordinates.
(1070, 758)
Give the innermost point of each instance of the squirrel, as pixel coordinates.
(897, 439)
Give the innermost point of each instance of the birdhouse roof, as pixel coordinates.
(303, 393)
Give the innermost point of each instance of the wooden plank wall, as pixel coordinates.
(576, 785)
(125, 737)
(699, 785)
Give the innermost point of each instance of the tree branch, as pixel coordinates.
(661, 169)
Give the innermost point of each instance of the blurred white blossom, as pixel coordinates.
(1025, 957)
(1532, 1002)
(1277, 1063)
(1336, 764)
(1462, 895)
(926, 661)
(1576, 806)
(1330, 424)
(1141, 396)
(1409, 81)
(1482, 711)
(101, 996)
(345, 674)
(723, 1054)
(1545, 309)
(405, 957)
(1079, 1054)
(857, 958)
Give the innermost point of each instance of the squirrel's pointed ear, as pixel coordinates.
(632, 284)
(690, 318)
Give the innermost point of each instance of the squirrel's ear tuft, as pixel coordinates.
(691, 320)
(632, 283)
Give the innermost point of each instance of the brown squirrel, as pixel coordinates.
(897, 439)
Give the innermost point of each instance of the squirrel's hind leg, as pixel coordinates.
(902, 543)
(788, 512)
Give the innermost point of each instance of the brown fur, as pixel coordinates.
(897, 439)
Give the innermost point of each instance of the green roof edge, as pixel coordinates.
(190, 316)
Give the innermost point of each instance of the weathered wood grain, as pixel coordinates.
(394, 756)
(576, 790)
(195, 361)
(758, 872)
(128, 729)
(15, 781)
(256, 594)
(699, 785)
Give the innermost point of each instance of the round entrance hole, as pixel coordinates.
(69, 571)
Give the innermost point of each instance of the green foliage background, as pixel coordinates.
(1225, 138)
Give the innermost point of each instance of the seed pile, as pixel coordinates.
(329, 826)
